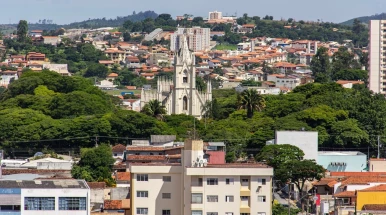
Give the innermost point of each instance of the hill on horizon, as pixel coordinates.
(91, 23)
(365, 19)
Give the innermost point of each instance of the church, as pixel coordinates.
(180, 96)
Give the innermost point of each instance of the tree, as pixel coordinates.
(95, 164)
(358, 27)
(155, 109)
(290, 20)
(96, 70)
(252, 101)
(128, 25)
(22, 30)
(351, 74)
(276, 155)
(320, 66)
(343, 59)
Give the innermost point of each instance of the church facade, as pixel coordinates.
(180, 95)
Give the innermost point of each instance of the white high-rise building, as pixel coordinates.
(377, 56)
(198, 39)
(194, 187)
(215, 15)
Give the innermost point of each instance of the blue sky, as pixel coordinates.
(66, 11)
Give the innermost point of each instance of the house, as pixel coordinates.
(7, 77)
(115, 55)
(349, 84)
(107, 63)
(117, 207)
(51, 40)
(195, 187)
(36, 33)
(148, 76)
(62, 69)
(289, 82)
(159, 59)
(97, 190)
(247, 28)
(123, 179)
(112, 76)
(371, 199)
(35, 56)
(132, 104)
(132, 62)
(48, 163)
(106, 84)
(118, 151)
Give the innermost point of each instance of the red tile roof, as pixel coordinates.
(326, 182)
(112, 204)
(106, 62)
(345, 194)
(151, 157)
(123, 176)
(381, 187)
(151, 148)
(119, 148)
(362, 180)
(113, 75)
(238, 165)
(347, 174)
(96, 185)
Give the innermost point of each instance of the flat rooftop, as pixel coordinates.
(44, 184)
(338, 153)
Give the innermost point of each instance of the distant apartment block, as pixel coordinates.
(377, 56)
(198, 38)
(215, 15)
(196, 187)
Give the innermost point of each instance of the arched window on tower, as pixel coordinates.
(185, 77)
(185, 103)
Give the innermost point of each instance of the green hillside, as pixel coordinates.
(365, 19)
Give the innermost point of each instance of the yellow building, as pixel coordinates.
(371, 198)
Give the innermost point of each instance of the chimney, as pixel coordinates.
(316, 47)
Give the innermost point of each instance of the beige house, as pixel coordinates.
(377, 165)
(194, 187)
(115, 55)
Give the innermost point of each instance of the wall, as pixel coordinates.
(119, 193)
(53, 165)
(55, 193)
(97, 195)
(364, 198)
(216, 157)
(305, 140)
(374, 56)
(354, 163)
(377, 165)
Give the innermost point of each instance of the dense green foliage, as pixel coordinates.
(364, 19)
(95, 164)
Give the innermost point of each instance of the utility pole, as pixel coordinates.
(289, 197)
(378, 147)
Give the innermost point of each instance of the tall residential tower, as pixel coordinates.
(377, 56)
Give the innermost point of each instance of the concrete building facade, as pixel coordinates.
(198, 39)
(343, 161)
(377, 56)
(305, 140)
(197, 188)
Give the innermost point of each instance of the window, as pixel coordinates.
(142, 194)
(229, 181)
(185, 79)
(260, 213)
(211, 213)
(39, 203)
(185, 103)
(166, 195)
(166, 212)
(228, 213)
(115, 154)
(212, 181)
(261, 199)
(244, 213)
(142, 177)
(196, 212)
(167, 178)
(197, 198)
(142, 211)
(212, 198)
(72, 203)
(346, 201)
(229, 199)
(263, 181)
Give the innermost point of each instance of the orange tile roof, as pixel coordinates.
(381, 187)
(119, 148)
(345, 194)
(347, 174)
(106, 62)
(112, 204)
(151, 148)
(96, 185)
(362, 180)
(113, 75)
(326, 182)
(347, 82)
(151, 157)
(123, 176)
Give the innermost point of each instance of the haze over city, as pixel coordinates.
(67, 11)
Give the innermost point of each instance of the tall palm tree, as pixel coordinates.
(252, 101)
(155, 109)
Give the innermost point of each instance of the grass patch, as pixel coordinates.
(225, 46)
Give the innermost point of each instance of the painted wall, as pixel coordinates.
(354, 163)
(305, 140)
(216, 157)
(364, 198)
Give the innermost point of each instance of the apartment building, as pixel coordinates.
(196, 187)
(215, 15)
(377, 56)
(198, 38)
(56, 197)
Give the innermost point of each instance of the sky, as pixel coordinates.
(67, 11)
